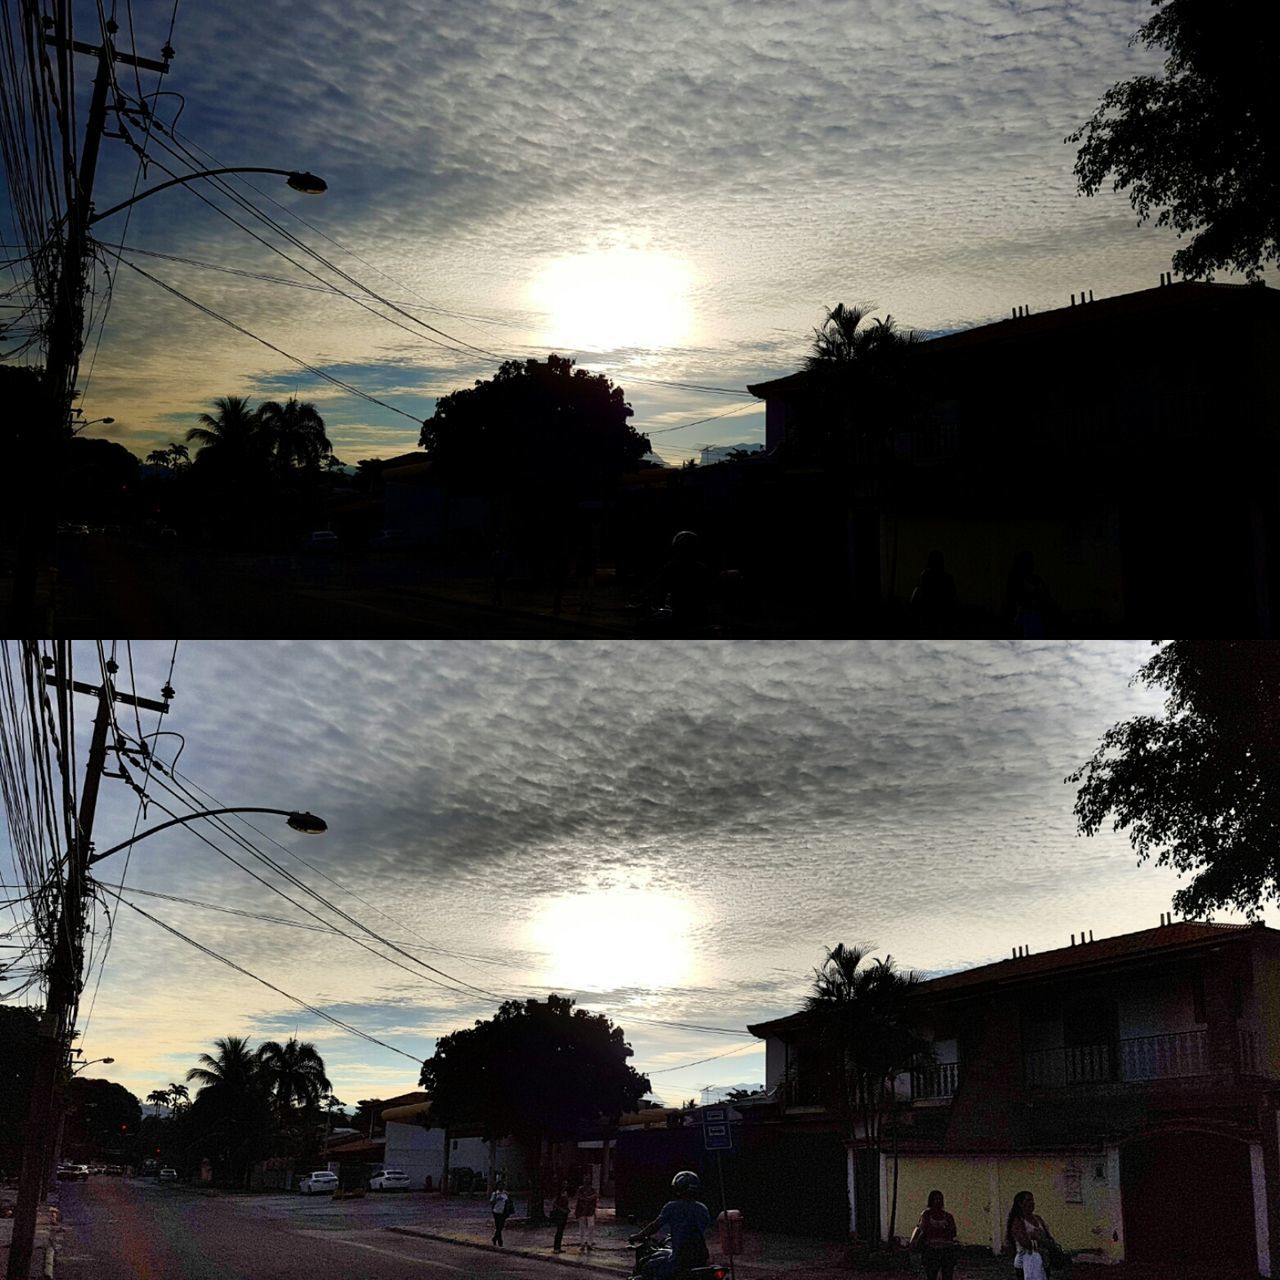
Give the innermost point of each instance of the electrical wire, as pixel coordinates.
(715, 1057)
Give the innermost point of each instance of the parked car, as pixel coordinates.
(321, 540)
(389, 1180)
(318, 1183)
(73, 1173)
(168, 1175)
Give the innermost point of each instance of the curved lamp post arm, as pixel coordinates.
(304, 822)
(307, 183)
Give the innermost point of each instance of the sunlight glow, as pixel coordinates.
(614, 298)
(614, 938)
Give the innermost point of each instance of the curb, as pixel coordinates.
(515, 1252)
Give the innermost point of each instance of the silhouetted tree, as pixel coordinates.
(859, 384)
(534, 1070)
(1201, 143)
(1199, 787)
(232, 437)
(861, 1016)
(294, 1072)
(231, 1116)
(541, 434)
(295, 433)
(176, 457)
(101, 1116)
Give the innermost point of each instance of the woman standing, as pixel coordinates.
(936, 1235)
(1027, 1232)
(560, 1215)
(585, 1211)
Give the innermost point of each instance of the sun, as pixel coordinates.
(611, 938)
(614, 298)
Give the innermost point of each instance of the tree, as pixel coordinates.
(535, 1070)
(100, 1117)
(160, 1098)
(1197, 787)
(859, 384)
(295, 433)
(231, 1116)
(1202, 142)
(294, 1073)
(179, 1096)
(175, 457)
(231, 438)
(861, 1015)
(536, 427)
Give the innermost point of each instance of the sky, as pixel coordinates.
(672, 193)
(671, 834)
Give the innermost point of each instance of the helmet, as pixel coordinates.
(686, 1181)
(685, 539)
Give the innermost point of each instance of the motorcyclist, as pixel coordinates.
(686, 1220)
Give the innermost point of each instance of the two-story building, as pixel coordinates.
(1131, 1083)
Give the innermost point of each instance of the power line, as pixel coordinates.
(231, 964)
(714, 1058)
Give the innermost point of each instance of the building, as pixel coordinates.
(1130, 1083)
(1128, 444)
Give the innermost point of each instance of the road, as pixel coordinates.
(137, 1229)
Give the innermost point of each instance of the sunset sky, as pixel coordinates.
(671, 192)
(672, 834)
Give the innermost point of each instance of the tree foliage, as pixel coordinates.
(535, 1069)
(102, 1116)
(18, 1043)
(540, 426)
(1200, 144)
(1198, 788)
(294, 1073)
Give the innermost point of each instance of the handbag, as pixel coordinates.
(916, 1243)
(1055, 1256)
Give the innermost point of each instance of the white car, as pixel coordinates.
(168, 1175)
(389, 1180)
(318, 1183)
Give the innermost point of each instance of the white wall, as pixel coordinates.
(418, 1151)
(775, 1061)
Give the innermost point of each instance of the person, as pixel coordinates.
(584, 1210)
(500, 1203)
(1027, 599)
(937, 1236)
(933, 602)
(1027, 1232)
(686, 1220)
(683, 586)
(560, 1215)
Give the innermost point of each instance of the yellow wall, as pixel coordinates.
(979, 1192)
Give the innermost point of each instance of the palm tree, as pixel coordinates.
(158, 1098)
(231, 436)
(294, 1072)
(861, 1014)
(179, 1094)
(231, 1115)
(296, 434)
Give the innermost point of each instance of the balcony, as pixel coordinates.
(935, 1083)
(1167, 1057)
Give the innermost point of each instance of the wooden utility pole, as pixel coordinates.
(66, 320)
(65, 975)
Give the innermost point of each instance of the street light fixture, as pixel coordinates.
(92, 1061)
(307, 823)
(307, 183)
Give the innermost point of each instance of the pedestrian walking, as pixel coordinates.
(500, 1203)
(584, 1210)
(560, 1215)
(935, 1237)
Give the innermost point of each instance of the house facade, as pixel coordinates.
(1129, 445)
(1131, 1083)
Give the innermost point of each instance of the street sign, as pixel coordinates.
(716, 1134)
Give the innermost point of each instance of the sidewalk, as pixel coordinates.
(47, 1232)
(466, 1220)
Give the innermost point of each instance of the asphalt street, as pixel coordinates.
(137, 1229)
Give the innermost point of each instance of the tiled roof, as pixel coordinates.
(1125, 946)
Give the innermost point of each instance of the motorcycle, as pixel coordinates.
(648, 1249)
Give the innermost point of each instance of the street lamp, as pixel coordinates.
(307, 823)
(79, 1067)
(307, 183)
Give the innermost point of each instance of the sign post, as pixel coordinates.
(717, 1136)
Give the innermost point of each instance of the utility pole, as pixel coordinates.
(66, 321)
(65, 976)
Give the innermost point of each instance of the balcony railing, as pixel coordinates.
(1166, 1057)
(937, 1081)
